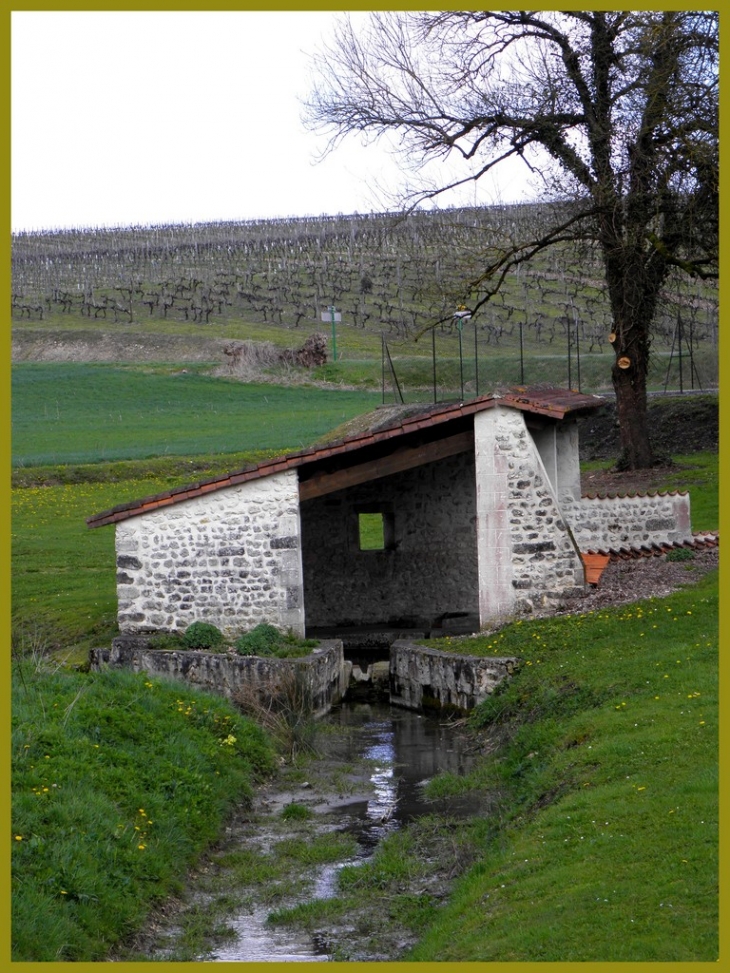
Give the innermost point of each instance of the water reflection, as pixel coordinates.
(405, 750)
(258, 942)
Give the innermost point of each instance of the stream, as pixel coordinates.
(369, 784)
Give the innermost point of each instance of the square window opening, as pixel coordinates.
(375, 531)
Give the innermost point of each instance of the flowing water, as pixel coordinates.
(403, 750)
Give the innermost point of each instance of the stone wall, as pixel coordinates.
(626, 523)
(430, 567)
(420, 678)
(231, 558)
(323, 672)
(423, 678)
(528, 558)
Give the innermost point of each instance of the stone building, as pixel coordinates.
(473, 513)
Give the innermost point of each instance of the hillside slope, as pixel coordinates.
(680, 424)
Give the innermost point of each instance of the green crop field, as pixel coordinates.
(84, 413)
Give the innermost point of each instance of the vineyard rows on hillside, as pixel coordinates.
(396, 276)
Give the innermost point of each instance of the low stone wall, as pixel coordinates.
(423, 678)
(420, 678)
(628, 523)
(324, 670)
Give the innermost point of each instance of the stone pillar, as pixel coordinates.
(494, 542)
(567, 449)
(557, 444)
(527, 557)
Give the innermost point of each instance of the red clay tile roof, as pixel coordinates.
(540, 400)
(700, 541)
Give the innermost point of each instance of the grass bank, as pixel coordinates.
(608, 847)
(600, 773)
(119, 784)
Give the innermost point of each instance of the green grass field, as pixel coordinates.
(80, 413)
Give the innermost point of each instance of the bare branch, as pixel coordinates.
(619, 109)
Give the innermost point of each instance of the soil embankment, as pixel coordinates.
(679, 424)
(104, 346)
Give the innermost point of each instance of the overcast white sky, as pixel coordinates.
(139, 117)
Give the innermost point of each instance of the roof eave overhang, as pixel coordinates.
(558, 405)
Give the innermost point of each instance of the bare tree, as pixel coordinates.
(617, 112)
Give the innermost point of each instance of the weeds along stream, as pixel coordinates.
(303, 875)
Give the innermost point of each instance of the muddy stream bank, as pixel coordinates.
(281, 858)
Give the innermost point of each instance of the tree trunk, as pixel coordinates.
(636, 451)
(633, 283)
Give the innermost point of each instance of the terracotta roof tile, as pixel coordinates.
(632, 494)
(700, 541)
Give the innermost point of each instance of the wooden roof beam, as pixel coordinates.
(324, 482)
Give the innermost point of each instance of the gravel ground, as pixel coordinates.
(633, 579)
(645, 577)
